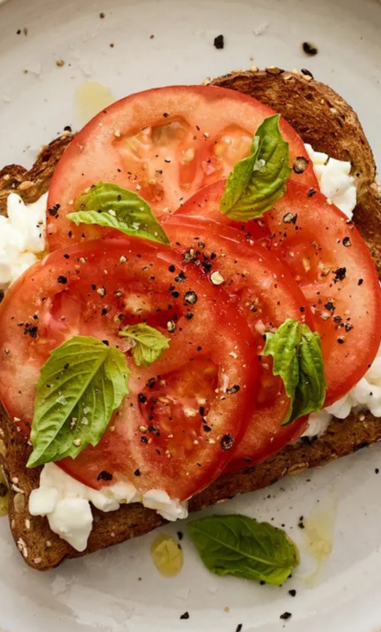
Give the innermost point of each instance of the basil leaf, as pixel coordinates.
(241, 546)
(258, 181)
(149, 343)
(81, 384)
(107, 204)
(298, 359)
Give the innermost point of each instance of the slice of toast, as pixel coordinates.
(323, 119)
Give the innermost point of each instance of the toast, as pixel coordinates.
(328, 123)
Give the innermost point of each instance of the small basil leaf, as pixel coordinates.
(258, 181)
(107, 204)
(149, 343)
(241, 546)
(298, 360)
(80, 386)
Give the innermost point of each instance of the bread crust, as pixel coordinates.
(328, 123)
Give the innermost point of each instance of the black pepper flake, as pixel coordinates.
(329, 306)
(104, 311)
(165, 114)
(151, 382)
(180, 535)
(189, 316)
(104, 476)
(142, 398)
(347, 242)
(311, 192)
(238, 628)
(31, 330)
(180, 277)
(292, 592)
(67, 128)
(340, 274)
(62, 279)
(300, 164)
(172, 268)
(175, 294)
(286, 615)
(144, 439)
(309, 49)
(360, 282)
(290, 218)
(185, 615)
(190, 298)
(189, 255)
(54, 209)
(234, 389)
(66, 256)
(207, 428)
(341, 340)
(307, 72)
(227, 442)
(137, 473)
(219, 42)
(106, 342)
(301, 523)
(348, 326)
(376, 471)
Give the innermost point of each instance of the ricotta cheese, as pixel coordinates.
(335, 181)
(66, 503)
(22, 237)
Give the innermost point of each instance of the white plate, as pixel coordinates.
(103, 592)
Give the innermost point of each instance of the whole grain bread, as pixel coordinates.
(323, 119)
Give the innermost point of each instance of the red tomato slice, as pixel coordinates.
(184, 413)
(262, 289)
(165, 144)
(331, 263)
(329, 259)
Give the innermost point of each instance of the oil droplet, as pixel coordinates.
(167, 555)
(4, 495)
(318, 537)
(90, 98)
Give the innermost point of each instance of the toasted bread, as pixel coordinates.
(323, 119)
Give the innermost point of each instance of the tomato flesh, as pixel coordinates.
(329, 259)
(165, 144)
(176, 429)
(262, 289)
(331, 263)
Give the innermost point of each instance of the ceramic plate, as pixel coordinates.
(138, 45)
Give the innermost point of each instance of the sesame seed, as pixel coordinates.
(217, 278)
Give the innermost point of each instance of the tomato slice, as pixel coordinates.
(329, 259)
(165, 144)
(331, 263)
(184, 413)
(260, 288)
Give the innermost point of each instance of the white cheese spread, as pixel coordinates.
(335, 181)
(66, 503)
(22, 237)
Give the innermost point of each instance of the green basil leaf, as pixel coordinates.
(149, 343)
(80, 386)
(258, 181)
(241, 546)
(298, 359)
(107, 204)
